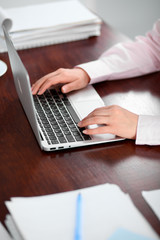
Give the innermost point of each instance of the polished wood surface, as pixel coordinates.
(25, 170)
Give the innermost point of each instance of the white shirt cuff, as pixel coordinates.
(148, 130)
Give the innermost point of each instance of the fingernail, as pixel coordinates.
(63, 89)
(84, 131)
(79, 124)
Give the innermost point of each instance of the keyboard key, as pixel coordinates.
(54, 142)
(86, 137)
(70, 138)
(53, 137)
(78, 138)
(50, 134)
(55, 126)
(74, 129)
(76, 133)
(73, 113)
(60, 134)
(58, 130)
(49, 130)
(66, 132)
(63, 126)
(44, 120)
(62, 140)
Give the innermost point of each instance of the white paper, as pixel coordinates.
(49, 15)
(4, 20)
(12, 228)
(3, 233)
(153, 199)
(48, 23)
(105, 208)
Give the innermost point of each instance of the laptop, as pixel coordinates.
(53, 116)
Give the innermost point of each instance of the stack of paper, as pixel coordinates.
(49, 23)
(105, 208)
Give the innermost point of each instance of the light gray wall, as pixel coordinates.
(132, 17)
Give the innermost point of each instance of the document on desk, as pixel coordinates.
(105, 208)
(153, 199)
(123, 234)
(48, 23)
(3, 233)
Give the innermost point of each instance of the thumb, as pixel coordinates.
(70, 87)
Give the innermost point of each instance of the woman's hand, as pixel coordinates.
(112, 119)
(71, 79)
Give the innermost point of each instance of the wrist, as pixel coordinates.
(86, 77)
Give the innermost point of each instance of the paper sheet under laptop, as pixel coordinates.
(105, 208)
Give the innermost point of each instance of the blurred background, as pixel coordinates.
(131, 17)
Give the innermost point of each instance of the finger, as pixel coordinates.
(98, 130)
(37, 85)
(93, 120)
(46, 83)
(58, 79)
(74, 85)
(98, 112)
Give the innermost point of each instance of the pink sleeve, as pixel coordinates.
(128, 59)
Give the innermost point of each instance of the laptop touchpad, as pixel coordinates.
(85, 101)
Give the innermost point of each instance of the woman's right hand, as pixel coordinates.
(111, 119)
(71, 79)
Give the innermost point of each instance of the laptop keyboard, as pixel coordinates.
(57, 118)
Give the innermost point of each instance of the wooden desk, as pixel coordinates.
(27, 171)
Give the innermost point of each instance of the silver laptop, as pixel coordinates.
(53, 116)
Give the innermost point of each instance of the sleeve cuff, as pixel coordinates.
(148, 130)
(97, 70)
